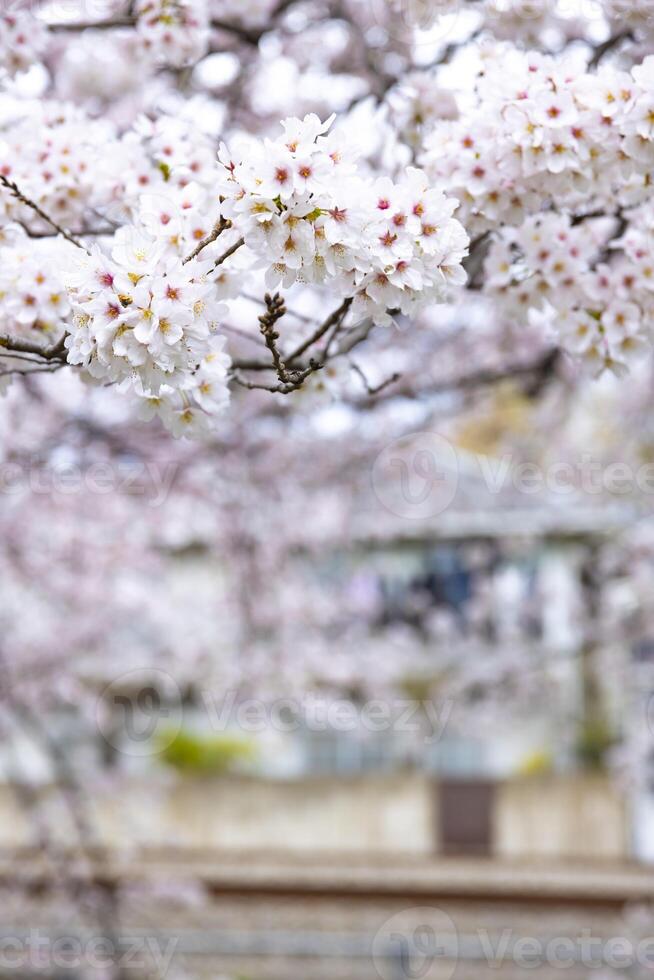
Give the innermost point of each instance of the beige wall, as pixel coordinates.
(576, 817)
(369, 814)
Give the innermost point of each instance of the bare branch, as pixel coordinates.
(375, 389)
(275, 310)
(43, 369)
(612, 42)
(230, 251)
(248, 35)
(220, 226)
(334, 319)
(55, 353)
(16, 192)
(534, 374)
(78, 233)
(72, 26)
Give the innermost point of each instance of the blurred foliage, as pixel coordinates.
(538, 763)
(417, 688)
(594, 740)
(508, 412)
(191, 752)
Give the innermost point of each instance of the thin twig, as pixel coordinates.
(230, 251)
(375, 389)
(220, 226)
(80, 233)
(54, 353)
(612, 42)
(275, 310)
(250, 36)
(72, 26)
(44, 369)
(294, 313)
(335, 318)
(18, 194)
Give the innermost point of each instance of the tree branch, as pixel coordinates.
(612, 42)
(334, 319)
(220, 226)
(230, 251)
(55, 353)
(16, 192)
(375, 389)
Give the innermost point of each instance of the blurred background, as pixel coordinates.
(361, 685)
(374, 699)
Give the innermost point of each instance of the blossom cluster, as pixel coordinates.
(147, 320)
(598, 301)
(635, 14)
(73, 165)
(529, 21)
(162, 157)
(304, 211)
(545, 133)
(23, 40)
(33, 300)
(105, 67)
(56, 154)
(173, 32)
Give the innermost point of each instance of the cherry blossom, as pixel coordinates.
(389, 245)
(175, 32)
(23, 41)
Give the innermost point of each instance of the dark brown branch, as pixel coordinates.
(283, 388)
(79, 233)
(230, 251)
(16, 192)
(72, 26)
(289, 379)
(248, 35)
(43, 369)
(375, 389)
(220, 226)
(275, 310)
(55, 353)
(535, 374)
(113, 23)
(612, 42)
(334, 319)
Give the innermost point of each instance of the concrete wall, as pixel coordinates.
(363, 815)
(575, 817)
